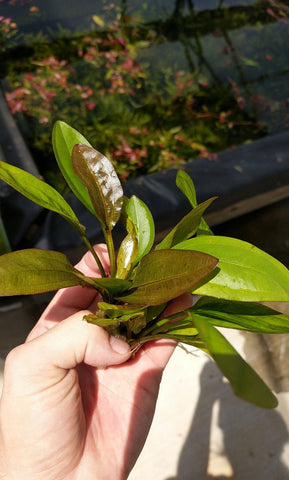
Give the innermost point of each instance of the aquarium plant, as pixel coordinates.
(228, 276)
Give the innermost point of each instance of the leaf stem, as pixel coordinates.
(95, 256)
(111, 251)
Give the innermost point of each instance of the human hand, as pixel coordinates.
(74, 404)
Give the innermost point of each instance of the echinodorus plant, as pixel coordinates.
(231, 276)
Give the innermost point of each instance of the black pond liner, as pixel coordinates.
(244, 178)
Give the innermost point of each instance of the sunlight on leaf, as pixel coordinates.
(64, 138)
(186, 228)
(248, 316)
(245, 272)
(104, 188)
(137, 211)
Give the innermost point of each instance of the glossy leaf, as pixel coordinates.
(186, 228)
(165, 274)
(35, 271)
(39, 192)
(137, 211)
(64, 138)
(243, 379)
(104, 188)
(186, 185)
(249, 316)
(126, 254)
(245, 273)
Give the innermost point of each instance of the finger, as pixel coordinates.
(64, 346)
(88, 265)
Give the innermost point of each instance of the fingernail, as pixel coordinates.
(118, 345)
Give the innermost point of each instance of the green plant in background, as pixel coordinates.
(205, 99)
(230, 275)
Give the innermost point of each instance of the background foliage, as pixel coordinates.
(150, 85)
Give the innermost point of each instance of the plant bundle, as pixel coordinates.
(229, 276)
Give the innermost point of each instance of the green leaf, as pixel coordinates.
(99, 320)
(186, 228)
(64, 138)
(186, 185)
(192, 340)
(153, 312)
(165, 274)
(109, 314)
(245, 272)
(114, 314)
(174, 326)
(35, 271)
(248, 316)
(243, 379)
(126, 254)
(103, 185)
(115, 286)
(39, 192)
(137, 211)
(116, 311)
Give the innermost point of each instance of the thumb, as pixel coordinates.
(66, 345)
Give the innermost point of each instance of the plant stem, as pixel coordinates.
(111, 251)
(95, 256)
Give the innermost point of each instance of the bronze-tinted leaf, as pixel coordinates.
(103, 185)
(35, 271)
(165, 274)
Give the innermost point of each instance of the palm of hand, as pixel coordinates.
(97, 420)
(114, 417)
(84, 422)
